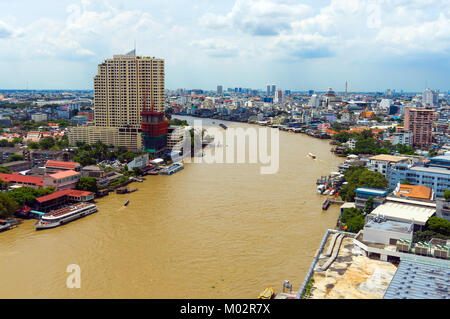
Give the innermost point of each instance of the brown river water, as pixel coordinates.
(208, 231)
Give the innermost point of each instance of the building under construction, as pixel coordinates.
(128, 105)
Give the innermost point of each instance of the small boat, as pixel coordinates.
(326, 192)
(126, 203)
(268, 293)
(312, 155)
(320, 189)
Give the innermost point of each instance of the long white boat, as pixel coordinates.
(65, 215)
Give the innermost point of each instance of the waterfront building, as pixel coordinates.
(382, 163)
(420, 123)
(61, 198)
(124, 87)
(434, 174)
(362, 194)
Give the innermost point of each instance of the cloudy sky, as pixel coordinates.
(295, 44)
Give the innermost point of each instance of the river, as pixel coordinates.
(208, 231)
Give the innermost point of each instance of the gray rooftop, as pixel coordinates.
(420, 278)
(436, 170)
(390, 225)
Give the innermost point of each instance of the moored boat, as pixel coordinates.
(65, 215)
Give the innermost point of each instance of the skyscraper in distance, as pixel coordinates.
(274, 87)
(219, 90)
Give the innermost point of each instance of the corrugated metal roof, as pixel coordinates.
(420, 278)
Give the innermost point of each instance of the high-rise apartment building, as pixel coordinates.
(430, 97)
(420, 122)
(219, 90)
(268, 90)
(123, 87)
(278, 96)
(274, 87)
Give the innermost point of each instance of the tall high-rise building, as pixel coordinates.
(430, 97)
(268, 90)
(219, 89)
(278, 96)
(124, 86)
(274, 87)
(420, 122)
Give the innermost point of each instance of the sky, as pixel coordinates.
(374, 45)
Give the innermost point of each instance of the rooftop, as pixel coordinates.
(404, 211)
(64, 174)
(420, 278)
(390, 225)
(21, 179)
(375, 191)
(414, 191)
(70, 165)
(388, 158)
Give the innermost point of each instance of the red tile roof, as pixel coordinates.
(61, 164)
(61, 193)
(17, 178)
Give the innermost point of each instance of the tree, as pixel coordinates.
(355, 224)
(358, 176)
(27, 195)
(87, 184)
(47, 143)
(447, 194)
(7, 206)
(33, 145)
(439, 225)
(15, 157)
(137, 171)
(368, 207)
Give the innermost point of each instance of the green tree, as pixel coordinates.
(439, 225)
(33, 145)
(47, 143)
(87, 184)
(358, 176)
(447, 194)
(368, 207)
(355, 224)
(15, 157)
(27, 195)
(7, 206)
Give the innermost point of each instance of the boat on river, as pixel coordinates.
(312, 155)
(65, 215)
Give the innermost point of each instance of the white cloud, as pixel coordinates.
(216, 47)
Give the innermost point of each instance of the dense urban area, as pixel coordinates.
(59, 150)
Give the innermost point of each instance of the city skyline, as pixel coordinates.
(374, 45)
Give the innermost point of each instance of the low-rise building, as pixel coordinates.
(62, 180)
(362, 194)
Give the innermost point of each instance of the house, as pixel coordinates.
(383, 163)
(60, 199)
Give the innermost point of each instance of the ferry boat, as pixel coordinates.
(64, 215)
(175, 167)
